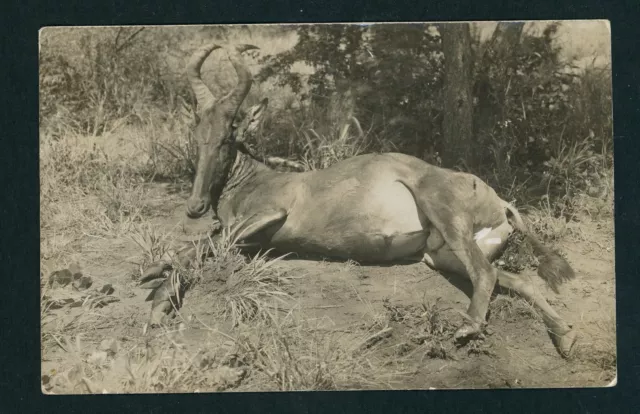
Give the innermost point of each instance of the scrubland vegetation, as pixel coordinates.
(117, 158)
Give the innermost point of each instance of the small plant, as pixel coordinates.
(255, 290)
(429, 328)
(153, 243)
(512, 307)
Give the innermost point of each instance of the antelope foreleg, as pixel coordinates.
(184, 256)
(252, 226)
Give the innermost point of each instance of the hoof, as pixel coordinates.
(160, 313)
(565, 343)
(467, 332)
(154, 271)
(163, 303)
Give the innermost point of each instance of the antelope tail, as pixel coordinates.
(552, 268)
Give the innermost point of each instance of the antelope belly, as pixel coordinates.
(395, 208)
(363, 220)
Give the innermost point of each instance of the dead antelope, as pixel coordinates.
(369, 208)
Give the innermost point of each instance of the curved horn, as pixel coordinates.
(203, 94)
(235, 97)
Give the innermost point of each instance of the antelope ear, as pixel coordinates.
(255, 113)
(258, 110)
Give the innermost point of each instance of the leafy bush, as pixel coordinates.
(549, 115)
(113, 76)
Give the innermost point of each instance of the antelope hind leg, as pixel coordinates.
(492, 244)
(439, 256)
(562, 335)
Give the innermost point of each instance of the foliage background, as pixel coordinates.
(339, 90)
(117, 157)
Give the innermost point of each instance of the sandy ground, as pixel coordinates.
(343, 296)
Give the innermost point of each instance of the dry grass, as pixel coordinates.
(154, 243)
(252, 288)
(288, 353)
(255, 291)
(297, 354)
(513, 307)
(160, 364)
(98, 187)
(428, 329)
(92, 190)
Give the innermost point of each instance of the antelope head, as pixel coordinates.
(214, 132)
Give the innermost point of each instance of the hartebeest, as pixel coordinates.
(369, 208)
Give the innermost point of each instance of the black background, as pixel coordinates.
(19, 212)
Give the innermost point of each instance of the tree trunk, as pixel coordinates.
(506, 36)
(457, 122)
